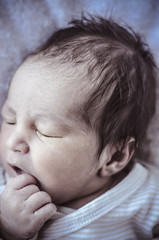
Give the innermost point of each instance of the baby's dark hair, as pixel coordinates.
(122, 68)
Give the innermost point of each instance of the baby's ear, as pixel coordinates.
(113, 161)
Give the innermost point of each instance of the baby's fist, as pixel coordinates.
(24, 208)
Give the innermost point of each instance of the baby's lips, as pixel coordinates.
(17, 170)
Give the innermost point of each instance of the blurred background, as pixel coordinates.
(26, 24)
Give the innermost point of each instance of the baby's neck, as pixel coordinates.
(78, 203)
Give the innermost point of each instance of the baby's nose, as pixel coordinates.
(17, 143)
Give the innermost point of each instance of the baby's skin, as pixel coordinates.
(24, 208)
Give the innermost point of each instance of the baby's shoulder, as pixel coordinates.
(150, 187)
(153, 174)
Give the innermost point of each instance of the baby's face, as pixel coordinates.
(42, 136)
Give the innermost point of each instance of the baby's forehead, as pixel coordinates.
(61, 76)
(67, 73)
(65, 77)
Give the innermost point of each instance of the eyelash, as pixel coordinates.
(10, 123)
(40, 135)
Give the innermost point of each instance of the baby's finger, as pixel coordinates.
(37, 200)
(21, 181)
(27, 191)
(39, 217)
(46, 212)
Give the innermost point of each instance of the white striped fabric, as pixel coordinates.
(129, 211)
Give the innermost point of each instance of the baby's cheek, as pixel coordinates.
(46, 161)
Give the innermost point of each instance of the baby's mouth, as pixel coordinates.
(16, 170)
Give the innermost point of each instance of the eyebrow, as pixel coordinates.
(53, 120)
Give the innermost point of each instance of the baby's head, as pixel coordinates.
(118, 70)
(77, 108)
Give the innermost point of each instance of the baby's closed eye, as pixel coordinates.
(46, 137)
(8, 119)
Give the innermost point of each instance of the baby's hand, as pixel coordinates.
(24, 208)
